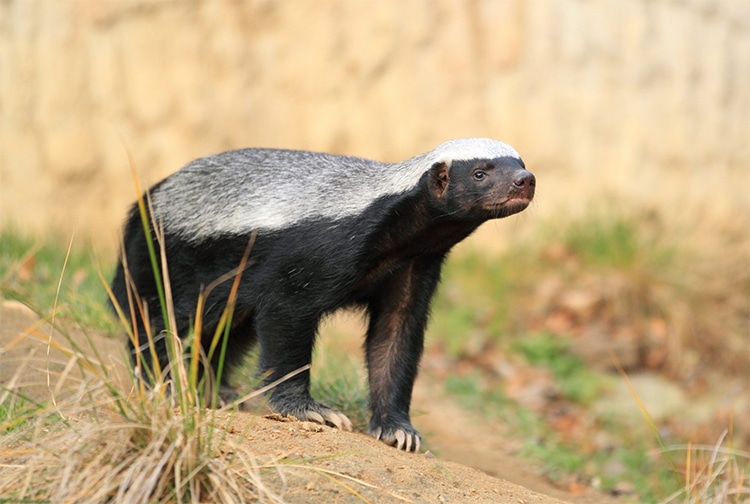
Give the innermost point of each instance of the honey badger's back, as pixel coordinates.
(331, 231)
(239, 191)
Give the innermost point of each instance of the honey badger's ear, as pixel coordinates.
(439, 177)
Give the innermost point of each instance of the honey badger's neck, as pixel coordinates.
(449, 202)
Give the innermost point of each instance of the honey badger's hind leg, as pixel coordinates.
(285, 347)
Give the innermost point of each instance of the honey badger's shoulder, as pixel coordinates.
(238, 191)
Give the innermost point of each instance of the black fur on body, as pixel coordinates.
(352, 233)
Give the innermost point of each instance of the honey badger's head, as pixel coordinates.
(489, 183)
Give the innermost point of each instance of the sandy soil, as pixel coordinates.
(475, 462)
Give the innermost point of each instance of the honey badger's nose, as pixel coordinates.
(523, 180)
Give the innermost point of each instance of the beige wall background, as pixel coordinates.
(643, 100)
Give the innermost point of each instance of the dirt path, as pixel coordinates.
(475, 462)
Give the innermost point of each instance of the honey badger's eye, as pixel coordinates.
(479, 175)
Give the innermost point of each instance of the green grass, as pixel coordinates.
(603, 242)
(32, 269)
(476, 299)
(15, 411)
(608, 237)
(576, 381)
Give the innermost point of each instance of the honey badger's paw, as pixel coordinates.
(311, 411)
(403, 436)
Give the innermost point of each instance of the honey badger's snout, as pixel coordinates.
(524, 184)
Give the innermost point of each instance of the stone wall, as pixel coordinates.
(645, 99)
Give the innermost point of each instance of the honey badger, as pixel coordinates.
(329, 232)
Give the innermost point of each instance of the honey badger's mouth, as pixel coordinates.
(509, 202)
(508, 206)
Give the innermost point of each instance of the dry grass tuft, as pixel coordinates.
(714, 475)
(128, 446)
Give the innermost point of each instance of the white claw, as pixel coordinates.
(348, 426)
(400, 440)
(334, 419)
(340, 420)
(313, 416)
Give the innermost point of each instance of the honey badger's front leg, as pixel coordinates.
(395, 339)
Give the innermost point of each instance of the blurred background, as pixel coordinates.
(646, 99)
(633, 115)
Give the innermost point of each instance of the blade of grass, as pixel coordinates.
(141, 202)
(54, 305)
(228, 314)
(644, 412)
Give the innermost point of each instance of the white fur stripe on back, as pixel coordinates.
(237, 191)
